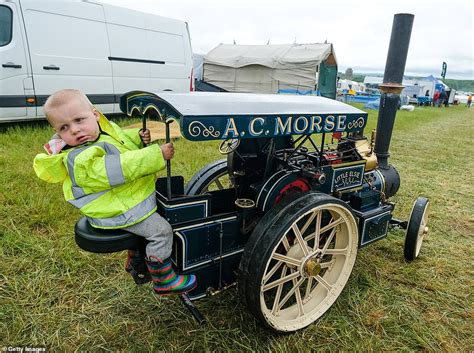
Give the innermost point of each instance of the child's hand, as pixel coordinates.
(168, 151)
(145, 136)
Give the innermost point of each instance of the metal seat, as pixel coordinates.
(98, 240)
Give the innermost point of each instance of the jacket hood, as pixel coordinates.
(107, 127)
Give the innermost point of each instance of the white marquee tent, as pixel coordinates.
(272, 68)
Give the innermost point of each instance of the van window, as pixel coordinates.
(5, 25)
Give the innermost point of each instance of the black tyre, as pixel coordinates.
(298, 260)
(417, 228)
(269, 218)
(213, 176)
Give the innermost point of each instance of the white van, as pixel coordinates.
(103, 50)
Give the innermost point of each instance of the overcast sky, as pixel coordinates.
(359, 30)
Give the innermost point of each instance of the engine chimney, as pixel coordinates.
(392, 85)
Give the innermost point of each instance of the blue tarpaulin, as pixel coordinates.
(299, 92)
(373, 104)
(361, 98)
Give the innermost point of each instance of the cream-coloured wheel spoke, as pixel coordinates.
(336, 251)
(332, 225)
(327, 264)
(308, 222)
(308, 287)
(317, 231)
(288, 260)
(290, 293)
(280, 281)
(278, 293)
(300, 240)
(323, 282)
(299, 301)
(285, 243)
(271, 272)
(328, 242)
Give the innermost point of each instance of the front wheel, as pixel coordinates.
(298, 260)
(417, 228)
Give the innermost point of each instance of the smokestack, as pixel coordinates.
(392, 85)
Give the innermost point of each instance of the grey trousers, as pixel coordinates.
(159, 234)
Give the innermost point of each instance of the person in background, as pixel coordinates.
(428, 100)
(435, 98)
(446, 101)
(442, 98)
(469, 100)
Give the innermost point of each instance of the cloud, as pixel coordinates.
(359, 30)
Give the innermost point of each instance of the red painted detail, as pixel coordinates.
(300, 184)
(332, 157)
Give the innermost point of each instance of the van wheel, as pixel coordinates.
(296, 265)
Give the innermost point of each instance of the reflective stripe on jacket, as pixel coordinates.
(112, 180)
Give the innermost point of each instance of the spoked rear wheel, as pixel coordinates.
(295, 267)
(213, 176)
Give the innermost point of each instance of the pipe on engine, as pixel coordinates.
(392, 85)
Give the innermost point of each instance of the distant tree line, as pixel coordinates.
(460, 85)
(352, 77)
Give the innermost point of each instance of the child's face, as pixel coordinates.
(75, 122)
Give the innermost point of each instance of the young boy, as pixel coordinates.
(109, 176)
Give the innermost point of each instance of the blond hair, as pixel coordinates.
(62, 97)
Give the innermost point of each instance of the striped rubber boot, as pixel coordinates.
(166, 281)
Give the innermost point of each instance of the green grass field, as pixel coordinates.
(53, 294)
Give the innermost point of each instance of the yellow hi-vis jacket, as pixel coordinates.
(111, 180)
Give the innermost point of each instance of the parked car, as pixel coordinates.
(460, 98)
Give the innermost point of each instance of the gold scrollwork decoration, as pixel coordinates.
(197, 128)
